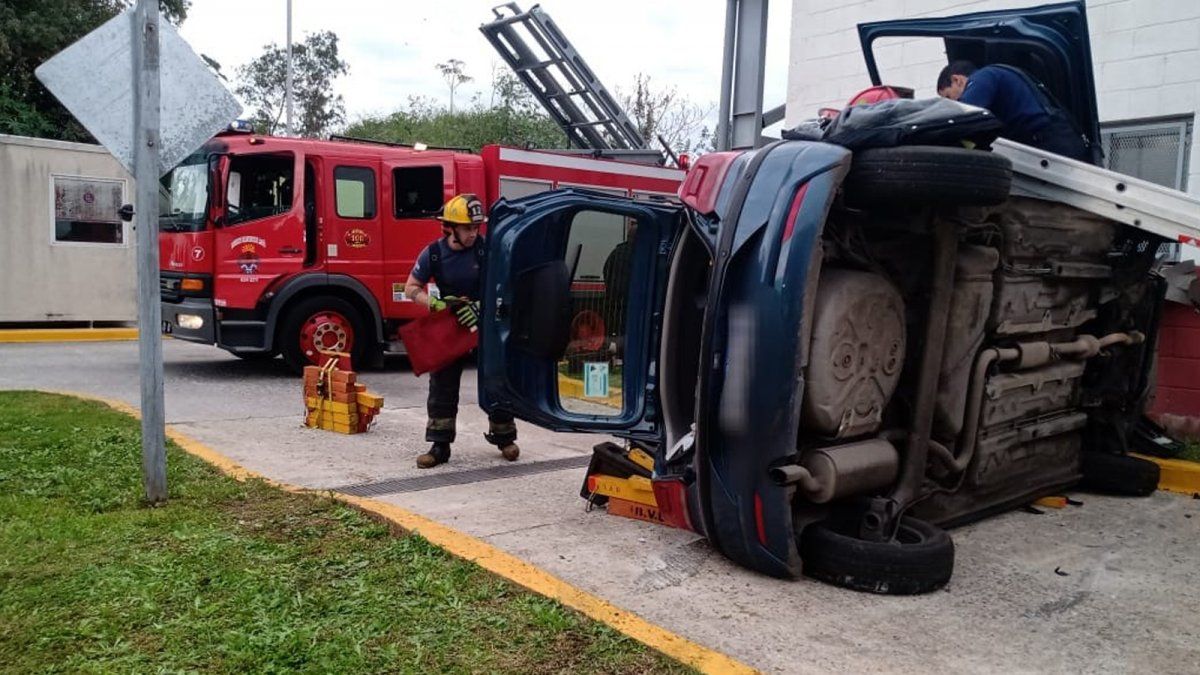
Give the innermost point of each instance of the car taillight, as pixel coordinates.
(794, 212)
(758, 519)
(671, 496)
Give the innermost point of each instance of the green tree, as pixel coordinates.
(452, 71)
(509, 117)
(657, 111)
(315, 65)
(31, 31)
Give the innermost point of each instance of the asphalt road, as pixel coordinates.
(1123, 598)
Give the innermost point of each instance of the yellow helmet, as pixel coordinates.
(464, 209)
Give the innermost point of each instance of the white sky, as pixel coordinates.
(392, 47)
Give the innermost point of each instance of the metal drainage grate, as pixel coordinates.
(442, 479)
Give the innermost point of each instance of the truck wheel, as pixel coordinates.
(322, 323)
(1119, 474)
(921, 175)
(919, 560)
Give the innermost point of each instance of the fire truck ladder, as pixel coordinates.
(560, 80)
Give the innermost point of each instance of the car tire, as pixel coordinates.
(1122, 475)
(339, 315)
(919, 560)
(921, 175)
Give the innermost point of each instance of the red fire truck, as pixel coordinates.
(291, 246)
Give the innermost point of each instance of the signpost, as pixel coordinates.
(146, 96)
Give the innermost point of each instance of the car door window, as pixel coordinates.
(598, 253)
(355, 192)
(418, 191)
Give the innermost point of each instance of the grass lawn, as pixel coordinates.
(1191, 453)
(237, 577)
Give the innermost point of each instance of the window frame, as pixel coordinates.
(125, 227)
(1184, 124)
(374, 201)
(291, 156)
(441, 192)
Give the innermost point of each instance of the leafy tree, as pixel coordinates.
(315, 65)
(664, 111)
(31, 31)
(509, 117)
(452, 72)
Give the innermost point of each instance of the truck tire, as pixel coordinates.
(321, 322)
(921, 175)
(1122, 475)
(919, 560)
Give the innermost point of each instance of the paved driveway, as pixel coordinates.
(1123, 598)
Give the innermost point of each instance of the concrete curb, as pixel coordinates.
(13, 335)
(479, 552)
(1178, 475)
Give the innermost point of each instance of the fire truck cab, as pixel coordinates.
(289, 246)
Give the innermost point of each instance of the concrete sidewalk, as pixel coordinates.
(1109, 586)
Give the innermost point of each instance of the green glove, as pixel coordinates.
(468, 314)
(436, 304)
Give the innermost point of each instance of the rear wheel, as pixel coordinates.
(920, 175)
(323, 323)
(919, 559)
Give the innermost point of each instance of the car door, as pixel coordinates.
(1050, 43)
(572, 309)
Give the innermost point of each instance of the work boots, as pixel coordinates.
(510, 452)
(439, 453)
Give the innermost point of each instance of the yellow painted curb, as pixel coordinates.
(67, 334)
(479, 552)
(1178, 475)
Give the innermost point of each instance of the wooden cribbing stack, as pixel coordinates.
(335, 401)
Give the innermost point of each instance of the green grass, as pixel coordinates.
(1191, 453)
(240, 577)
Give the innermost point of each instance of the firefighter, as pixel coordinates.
(453, 261)
(1029, 114)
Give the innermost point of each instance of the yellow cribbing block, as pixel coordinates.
(370, 400)
(339, 427)
(1052, 502)
(639, 457)
(314, 418)
(1178, 475)
(332, 406)
(633, 489)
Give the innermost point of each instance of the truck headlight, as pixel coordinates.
(189, 321)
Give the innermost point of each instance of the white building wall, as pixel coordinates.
(1146, 54)
(45, 280)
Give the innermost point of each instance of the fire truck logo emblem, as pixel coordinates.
(197, 254)
(357, 238)
(248, 256)
(248, 241)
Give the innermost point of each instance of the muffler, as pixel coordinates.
(842, 470)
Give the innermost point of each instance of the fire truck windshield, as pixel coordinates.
(183, 196)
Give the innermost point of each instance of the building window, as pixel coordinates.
(355, 186)
(418, 191)
(85, 210)
(1153, 150)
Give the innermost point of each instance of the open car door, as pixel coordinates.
(1049, 42)
(572, 310)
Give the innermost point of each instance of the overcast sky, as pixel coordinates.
(393, 46)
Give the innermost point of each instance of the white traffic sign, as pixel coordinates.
(92, 78)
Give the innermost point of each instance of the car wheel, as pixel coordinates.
(322, 323)
(927, 176)
(1119, 474)
(919, 559)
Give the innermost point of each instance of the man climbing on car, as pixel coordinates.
(1029, 114)
(453, 261)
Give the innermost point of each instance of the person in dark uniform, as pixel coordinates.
(453, 261)
(1029, 114)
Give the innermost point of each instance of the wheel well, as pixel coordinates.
(360, 305)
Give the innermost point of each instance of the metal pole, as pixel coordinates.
(287, 94)
(726, 106)
(146, 173)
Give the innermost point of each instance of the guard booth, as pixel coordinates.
(65, 255)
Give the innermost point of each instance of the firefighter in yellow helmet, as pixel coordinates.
(453, 261)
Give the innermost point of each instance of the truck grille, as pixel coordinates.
(168, 288)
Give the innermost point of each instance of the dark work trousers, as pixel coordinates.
(1061, 138)
(443, 409)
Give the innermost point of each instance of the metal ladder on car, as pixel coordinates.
(560, 80)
